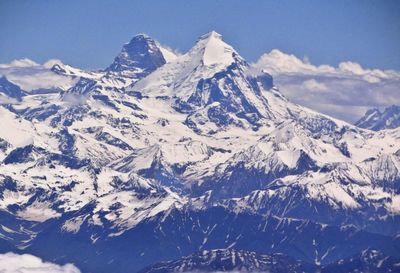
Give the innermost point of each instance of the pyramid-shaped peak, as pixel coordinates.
(142, 42)
(211, 35)
(139, 57)
(213, 50)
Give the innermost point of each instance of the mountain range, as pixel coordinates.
(376, 120)
(165, 162)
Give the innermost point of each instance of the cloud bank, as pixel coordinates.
(346, 91)
(29, 75)
(15, 263)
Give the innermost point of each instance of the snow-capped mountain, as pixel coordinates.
(141, 56)
(376, 120)
(210, 84)
(137, 59)
(162, 155)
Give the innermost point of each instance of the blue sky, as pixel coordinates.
(89, 34)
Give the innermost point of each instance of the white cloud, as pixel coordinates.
(19, 63)
(29, 75)
(279, 62)
(50, 63)
(344, 92)
(26, 263)
(313, 85)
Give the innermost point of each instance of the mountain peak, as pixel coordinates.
(213, 50)
(140, 36)
(211, 35)
(139, 57)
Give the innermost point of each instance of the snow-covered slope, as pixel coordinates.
(66, 70)
(160, 142)
(376, 120)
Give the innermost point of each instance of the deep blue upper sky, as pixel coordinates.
(89, 34)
